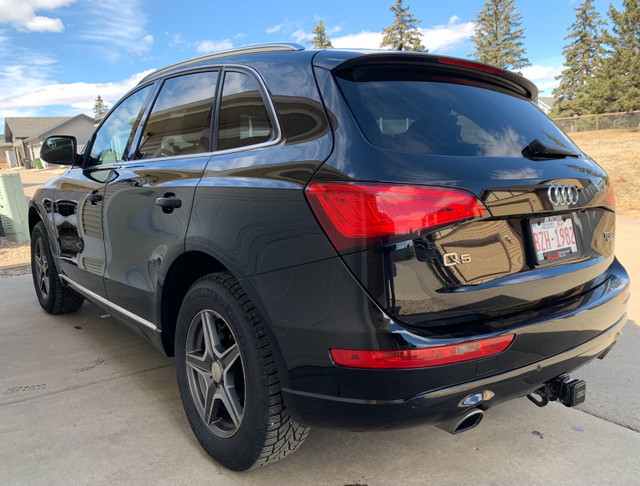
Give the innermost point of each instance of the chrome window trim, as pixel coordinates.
(110, 305)
(268, 102)
(222, 69)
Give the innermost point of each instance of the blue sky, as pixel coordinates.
(56, 56)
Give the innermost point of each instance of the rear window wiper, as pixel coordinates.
(537, 149)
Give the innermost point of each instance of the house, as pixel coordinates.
(4, 148)
(26, 134)
(545, 103)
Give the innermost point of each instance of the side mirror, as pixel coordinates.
(60, 149)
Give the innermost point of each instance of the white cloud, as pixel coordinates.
(363, 40)
(543, 77)
(22, 14)
(17, 76)
(117, 27)
(77, 95)
(176, 41)
(212, 46)
(276, 28)
(537, 72)
(546, 87)
(301, 36)
(442, 38)
(44, 24)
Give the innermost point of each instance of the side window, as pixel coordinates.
(243, 116)
(112, 138)
(180, 121)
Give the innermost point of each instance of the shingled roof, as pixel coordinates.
(25, 127)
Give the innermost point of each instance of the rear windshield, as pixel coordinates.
(412, 110)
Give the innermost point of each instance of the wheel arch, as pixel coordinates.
(181, 274)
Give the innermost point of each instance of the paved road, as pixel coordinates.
(84, 400)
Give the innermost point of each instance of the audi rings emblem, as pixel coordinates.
(566, 195)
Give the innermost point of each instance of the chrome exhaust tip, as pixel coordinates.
(462, 423)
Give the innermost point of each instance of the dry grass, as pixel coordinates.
(618, 152)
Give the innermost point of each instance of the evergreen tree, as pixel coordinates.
(320, 38)
(403, 34)
(616, 87)
(99, 108)
(498, 36)
(583, 55)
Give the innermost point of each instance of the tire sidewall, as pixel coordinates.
(40, 233)
(240, 451)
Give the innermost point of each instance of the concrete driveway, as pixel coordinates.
(84, 400)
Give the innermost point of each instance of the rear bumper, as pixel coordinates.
(440, 405)
(313, 308)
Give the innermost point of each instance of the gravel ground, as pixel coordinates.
(14, 258)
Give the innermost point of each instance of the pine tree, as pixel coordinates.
(403, 34)
(616, 87)
(320, 39)
(99, 108)
(583, 55)
(498, 36)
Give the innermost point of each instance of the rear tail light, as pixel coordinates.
(421, 358)
(361, 215)
(610, 197)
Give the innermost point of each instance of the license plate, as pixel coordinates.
(553, 239)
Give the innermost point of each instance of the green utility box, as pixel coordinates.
(13, 208)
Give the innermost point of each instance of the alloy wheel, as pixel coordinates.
(215, 373)
(41, 268)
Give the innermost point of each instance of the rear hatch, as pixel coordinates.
(480, 207)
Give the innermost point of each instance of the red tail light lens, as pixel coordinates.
(610, 197)
(421, 358)
(360, 215)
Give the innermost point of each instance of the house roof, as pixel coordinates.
(547, 100)
(25, 127)
(58, 128)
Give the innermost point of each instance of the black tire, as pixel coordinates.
(230, 390)
(53, 296)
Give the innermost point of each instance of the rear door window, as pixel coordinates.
(418, 111)
(180, 121)
(244, 119)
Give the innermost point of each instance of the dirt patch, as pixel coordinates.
(12, 253)
(618, 152)
(14, 258)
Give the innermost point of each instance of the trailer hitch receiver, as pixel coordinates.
(563, 389)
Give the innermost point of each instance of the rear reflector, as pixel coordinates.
(361, 215)
(420, 358)
(470, 64)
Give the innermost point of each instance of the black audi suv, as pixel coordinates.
(336, 238)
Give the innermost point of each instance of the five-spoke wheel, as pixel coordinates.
(53, 296)
(215, 373)
(228, 379)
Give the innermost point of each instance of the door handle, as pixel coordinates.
(168, 203)
(94, 197)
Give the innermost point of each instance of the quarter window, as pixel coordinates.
(115, 134)
(244, 119)
(180, 121)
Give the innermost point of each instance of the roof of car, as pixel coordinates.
(333, 58)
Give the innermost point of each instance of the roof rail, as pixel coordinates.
(236, 51)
